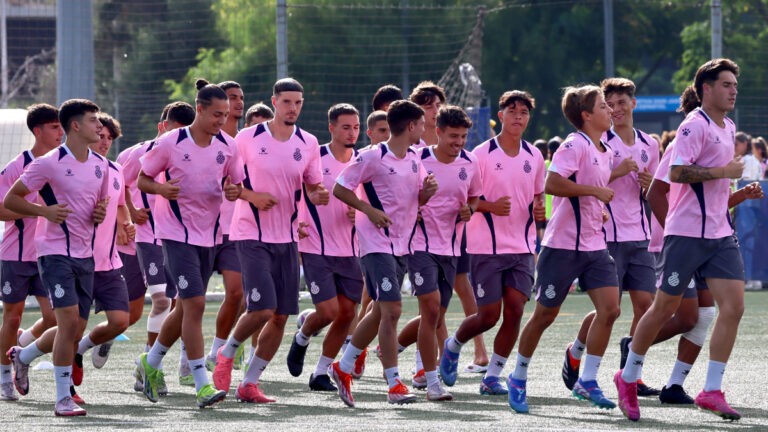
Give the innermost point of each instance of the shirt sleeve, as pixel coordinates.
(156, 160)
(653, 163)
(662, 172)
(235, 168)
(121, 195)
(541, 173)
(566, 159)
(36, 175)
(476, 182)
(422, 173)
(688, 143)
(8, 177)
(313, 171)
(356, 173)
(131, 166)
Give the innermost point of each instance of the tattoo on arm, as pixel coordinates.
(693, 174)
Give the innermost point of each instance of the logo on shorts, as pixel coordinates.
(69, 173)
(186, 158)
(386, 285)
(297, 155)
(116, 184)
(7, 288)
(58, 291)
(463, 174)
(255, 296)
(674, 279)
(550, 292)
(527, 167)
(98, 172)
(183, 283)
(418, 279)
(480, 291)
(220, 158)
(314, 288)
(644, 156)
(152, 269)
(414, 167)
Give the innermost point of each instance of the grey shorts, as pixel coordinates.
(109, 291)
(685, 257)
(20, 279)
(557, 269)
(134, 280)
(491, 274)
(152, 263)
(270, 276)
(329, 276)
(634, 266)
(189, 268)
(69, 281)
(429, 273)
(384, 275)
(226, 257)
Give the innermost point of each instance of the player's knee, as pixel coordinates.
(609, 314)
(120, 324)
(279, 320)
(489, 318)
(160, 305)
(698, 333)
(345, 315)
(12, 320)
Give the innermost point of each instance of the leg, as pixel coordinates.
(410, 332)
(641, 301)
(230, 307)
(514, 304)
(463, 290)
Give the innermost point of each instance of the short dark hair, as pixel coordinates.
(512, 97)
(40, 114)
(339, 110)
(618, 85)
(554, 143)
(258, 110)
(226, 85)
(111, 124)
(181, 113)
(745, 138)
(385, 95)
(577, 100)
(375, 117)
(207, 92)
(710, 71)
(400, 114)
(285, 85)
(452, 116)
(74, 110)
(542, 146)
(426, 92)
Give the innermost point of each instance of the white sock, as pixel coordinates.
(495, 366)
(252, 354)
(393, 376)
(679, 373)
(29, 353)
(347, 362)
(255, 369)
(183, 359)
(591, 365)
(6, 374)
(26, 338)
(156, 354)
(577, 349)
(344, 345)
(634, 367)
(715, 372)
(433, 381)
(230, 349)
(322, 366)
(199, 373)
(62, 375)
(454, 345)
(85, 344)
(217, 343)
(147, 348)
(419, 363)
(521, 368)
(302, 339)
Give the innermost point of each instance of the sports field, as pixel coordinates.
(112, 404)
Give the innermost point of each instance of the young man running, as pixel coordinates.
(394, 184)
(430, 97)
(698, 237)
(502, 239)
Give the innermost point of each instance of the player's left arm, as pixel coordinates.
(750, 191)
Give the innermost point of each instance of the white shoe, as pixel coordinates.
(100, 354)
(7, 392)
(68, 408)
(438, 393)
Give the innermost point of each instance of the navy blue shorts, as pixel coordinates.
(109, 291)
(330, 276)
(491, 274)
(189, 267)
(634, 266)
(20, 279)
(134, 280)
(270, 276)
(429, 273)
(152, 263)
(384, 275)
(69, 281)
(684, 258)
(558, 268)
(226, 258)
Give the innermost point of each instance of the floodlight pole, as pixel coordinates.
(74, 50)
(717, 28)
(282, 39)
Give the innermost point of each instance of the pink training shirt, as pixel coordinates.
(105, 254)
(577, 222)
(439, 231)
(330, 231)
(19, 238)
(130, 248)
(194, 217)
(701, 209)
(279, 168)
(662, 174)
(627, 219)
(391, 185)
(520, 178)
(62, 179)
(145, 233)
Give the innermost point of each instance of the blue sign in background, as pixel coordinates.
(662, 103)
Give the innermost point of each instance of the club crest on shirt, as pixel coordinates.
(414, 167)
(527, 167)
(186, 158)
(116, 184)
(462, 174)
(644, 156)
(98, 172)
(220, 158)
(297, 155)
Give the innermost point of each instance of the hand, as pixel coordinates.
(753, 191)
(644, 178)
(125, 233)
(169, 190)
(430, 185)
(351, 214)
(539, 210)
(734, 169)
(604, 194)
(605, 217)
(319, 196)
(139, 216)
(231, 191)
(302, 230)
(626, 166)
(502, 206)
(379, 218)
(100, 211)
(57, 213)
(264, 201)
(465, 213)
